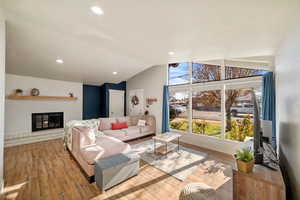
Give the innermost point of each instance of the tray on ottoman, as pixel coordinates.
(113, 170)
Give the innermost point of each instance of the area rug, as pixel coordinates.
(178, 164)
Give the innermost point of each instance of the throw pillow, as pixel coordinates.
(122, 119)
(105, 123)
(88, 136)
(117, 126)
(141, 122)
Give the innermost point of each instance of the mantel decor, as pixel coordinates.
(15, 97)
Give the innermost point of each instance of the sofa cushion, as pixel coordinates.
(119, 134)
(105, 123)
(91, 153)
(112, 146)
(146, 129)
(124, 119)
(118, 126)
(134, 119)
(132, 130)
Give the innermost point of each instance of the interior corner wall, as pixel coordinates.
(152, 81)
(2, 91)
(104, 98)
(91, 102)
(287, 70)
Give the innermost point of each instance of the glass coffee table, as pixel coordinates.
(166, 138)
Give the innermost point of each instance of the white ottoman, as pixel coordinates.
(113, 170)
(197, 191)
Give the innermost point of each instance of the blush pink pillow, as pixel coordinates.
(105, 123)
(87, 135)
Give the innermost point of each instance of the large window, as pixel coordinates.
(205, 72)
(238, 72)
(179, 73)
(206, 104)
(207, 114)
(178, 102)
(239, 112)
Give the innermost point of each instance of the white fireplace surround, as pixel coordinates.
(18, 112)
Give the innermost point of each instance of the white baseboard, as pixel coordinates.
(32, 139)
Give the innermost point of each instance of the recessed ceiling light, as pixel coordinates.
(60, 61)
(171, 53)
(97, 10)
(115, 73)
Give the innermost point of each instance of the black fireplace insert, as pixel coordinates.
(45, 121)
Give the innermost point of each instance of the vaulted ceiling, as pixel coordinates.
(133, 35)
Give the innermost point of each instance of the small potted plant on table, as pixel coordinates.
(245, 160)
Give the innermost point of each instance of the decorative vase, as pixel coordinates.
(18, 92)
(246, 167)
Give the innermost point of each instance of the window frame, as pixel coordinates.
(223, 85)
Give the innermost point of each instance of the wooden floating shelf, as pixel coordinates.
(15, 97)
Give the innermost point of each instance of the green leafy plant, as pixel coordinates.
(240, 129)
(245, 155)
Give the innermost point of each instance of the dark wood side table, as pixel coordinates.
(261, 184)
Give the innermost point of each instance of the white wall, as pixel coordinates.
(288, 108)
(2, 88)
(152, 81)
(18, 112)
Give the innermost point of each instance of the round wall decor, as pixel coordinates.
(135, 100)
(35, 92)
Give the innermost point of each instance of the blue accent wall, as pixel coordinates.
(91, 102)
(96, 99)
(104, 99)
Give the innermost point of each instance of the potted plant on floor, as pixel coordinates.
(245, 160)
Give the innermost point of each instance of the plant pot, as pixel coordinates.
(246, 167)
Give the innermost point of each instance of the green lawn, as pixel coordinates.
(240, 128)
(199, 127)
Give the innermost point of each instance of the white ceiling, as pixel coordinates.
(133, 35)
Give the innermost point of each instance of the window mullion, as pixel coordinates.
(190, 114)
(223, 111)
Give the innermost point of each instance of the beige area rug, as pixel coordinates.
(178, 164)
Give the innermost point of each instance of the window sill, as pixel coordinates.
(206, 136)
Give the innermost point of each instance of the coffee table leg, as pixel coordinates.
(166, 149)
(178, 144)
(154, 150)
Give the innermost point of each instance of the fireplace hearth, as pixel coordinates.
(45, 121)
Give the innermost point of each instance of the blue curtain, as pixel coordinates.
(165, 110)
(268, 103)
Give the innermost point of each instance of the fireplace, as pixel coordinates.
(45, 121)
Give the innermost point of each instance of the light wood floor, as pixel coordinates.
(45, 170)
